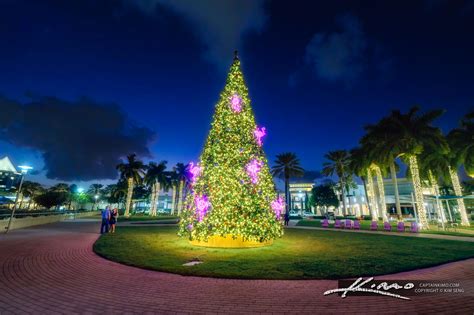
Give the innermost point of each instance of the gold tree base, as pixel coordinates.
(230, 242)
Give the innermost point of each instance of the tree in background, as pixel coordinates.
(461, 141)
(51, 198)
(95, 190)
(339, 163)
(324, 196)
(30, 190)
(155, 177)
(232, 188)
(287, 165)
(181, 172)
(132, 170)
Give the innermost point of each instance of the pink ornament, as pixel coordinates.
(278, 205)
(236, 103)
(194, 171)
(259, 133)
(202, 206)
(253, 169)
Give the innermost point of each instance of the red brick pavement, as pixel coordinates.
(52, 269)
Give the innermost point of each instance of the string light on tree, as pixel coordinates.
(259, 133)
(458, 191)
(253, 169)
(278, 205)
(233, 190)
(418, 190)
(202, 206)
(194, 171)
(236, 103)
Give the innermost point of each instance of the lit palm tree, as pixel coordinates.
(94, 192)
(383, 148)
(461, 140)
(132, 171)
(359, 163)
(339, 163)
(287, 165)
(406, 135)
(154, 177)
(172, 182)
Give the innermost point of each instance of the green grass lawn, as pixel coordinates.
(365, 225)
(299, 254)
(138, 218)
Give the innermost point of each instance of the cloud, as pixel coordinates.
(220, 24)
(340, 55)
(81, 140)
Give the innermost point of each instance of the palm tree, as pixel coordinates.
(461, 140)
(119, 191)
(339, 164)
(132, 171)
(95, 191)
(181, 171)
(405, 136)
(31, 190)
(383, 147)
(172, 182)
(359, 163)
(287, 165)
(154, 177)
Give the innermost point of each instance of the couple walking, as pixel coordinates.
(109, 219)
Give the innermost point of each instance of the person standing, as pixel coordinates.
(113, 219)
(104, 228)
(287, 218)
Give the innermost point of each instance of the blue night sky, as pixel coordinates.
(317, 73)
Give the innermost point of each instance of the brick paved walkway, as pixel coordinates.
(52, 269)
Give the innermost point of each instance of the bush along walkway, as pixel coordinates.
(393, 233)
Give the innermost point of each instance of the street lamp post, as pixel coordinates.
(24, 169)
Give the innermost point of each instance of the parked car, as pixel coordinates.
(293, 213)
(308, 214)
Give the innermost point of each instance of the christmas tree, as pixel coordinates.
(232, 192)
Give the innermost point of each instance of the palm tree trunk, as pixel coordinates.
(364, 182)
(180, 196)
(129, 197)
(458, 191)
(393, 175)
(434, 185)
(343, 196)
(173, 200)
(380, 188)
(419, 201)
(371, 196)
(154, 195)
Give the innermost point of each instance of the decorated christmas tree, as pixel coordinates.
(232, 195)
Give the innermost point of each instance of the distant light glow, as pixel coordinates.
(253, 169)
(278, 205)
(202, 206)
(259, 133)
(236, 103)
(25, 168)
(80, 190)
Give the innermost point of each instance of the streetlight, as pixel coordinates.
(24, 170)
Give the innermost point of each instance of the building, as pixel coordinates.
(9, 176)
